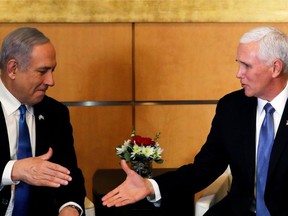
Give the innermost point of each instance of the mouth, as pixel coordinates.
(243, 85)
(41, 92)
(43, 89)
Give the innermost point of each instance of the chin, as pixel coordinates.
(248, 93)
(37, 99)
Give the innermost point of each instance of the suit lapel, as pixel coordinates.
(41, 129)
(4, 141)
(5, 193)
(250, 143)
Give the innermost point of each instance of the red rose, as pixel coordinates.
(142, 141)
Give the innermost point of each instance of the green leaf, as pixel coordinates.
(159, 161)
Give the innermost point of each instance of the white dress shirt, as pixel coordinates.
(278, 104)
(10, 107)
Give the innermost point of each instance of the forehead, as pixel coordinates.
(43, 54)
(247, 51)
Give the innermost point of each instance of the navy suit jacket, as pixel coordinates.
(53, 130)
(231, 141)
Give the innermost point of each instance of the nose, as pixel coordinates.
(239, 73)
(49, 80)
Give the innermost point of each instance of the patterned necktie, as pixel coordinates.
(23, 151)
(266, 139)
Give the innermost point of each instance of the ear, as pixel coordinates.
(11, 68)
(277, 67)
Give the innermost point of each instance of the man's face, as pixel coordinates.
(254, 75)
(30, 86)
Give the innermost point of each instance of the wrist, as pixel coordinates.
(150, 188)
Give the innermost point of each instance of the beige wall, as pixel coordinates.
(170, 61)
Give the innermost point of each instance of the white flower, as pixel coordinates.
(136, 149)
(126, 143)
(159, 151)
(140, 149)
(148, 151)
(121, 150)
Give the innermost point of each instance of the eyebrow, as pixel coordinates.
(241, 62)
(46, 68)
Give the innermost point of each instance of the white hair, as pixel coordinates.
(273, 44)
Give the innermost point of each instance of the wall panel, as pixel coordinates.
(93, 60)
(187, 61)
(97, 131)
(183, 129)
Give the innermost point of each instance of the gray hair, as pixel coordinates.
(273, 44)
(18, 45)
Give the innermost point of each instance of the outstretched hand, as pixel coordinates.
(40, 172)
(133, 189)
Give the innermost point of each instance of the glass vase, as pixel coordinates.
(143, 168)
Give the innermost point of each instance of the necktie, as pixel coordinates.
(266, 139)
(23, 151)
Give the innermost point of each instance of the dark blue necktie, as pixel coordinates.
(23, 151)
(266, 139)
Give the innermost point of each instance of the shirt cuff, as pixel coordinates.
(6, 177)
(157, 196)
(71, 203)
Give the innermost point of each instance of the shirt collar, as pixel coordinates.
(9, 103)
(278, 102)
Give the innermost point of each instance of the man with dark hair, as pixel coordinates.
(54, 182)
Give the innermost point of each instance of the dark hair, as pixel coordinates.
(18, 45)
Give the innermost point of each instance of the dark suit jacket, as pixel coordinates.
(53, 131)
(231, 140)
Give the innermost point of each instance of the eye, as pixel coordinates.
(244, 65)
(45, 70)
(42, 71)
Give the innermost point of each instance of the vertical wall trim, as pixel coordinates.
(133, 76)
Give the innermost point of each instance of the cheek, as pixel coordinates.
(35, 81)
(256, 76)
(259, 82)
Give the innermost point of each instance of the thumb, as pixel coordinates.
(47, 155)
(125, 166)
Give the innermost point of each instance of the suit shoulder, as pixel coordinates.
(235, 94)
(237, 99)
(238, 95)
(52, 103)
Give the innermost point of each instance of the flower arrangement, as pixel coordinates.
(139, 148)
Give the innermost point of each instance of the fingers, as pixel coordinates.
(115, 198)
(110, 195)
(118, 201)
(39, 172)
(130, 191)
(54, 168)
(51, 174)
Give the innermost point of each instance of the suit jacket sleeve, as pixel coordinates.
(53, 129)
(231, 140)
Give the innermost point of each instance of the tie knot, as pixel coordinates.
(269, 108)
(22, 109)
